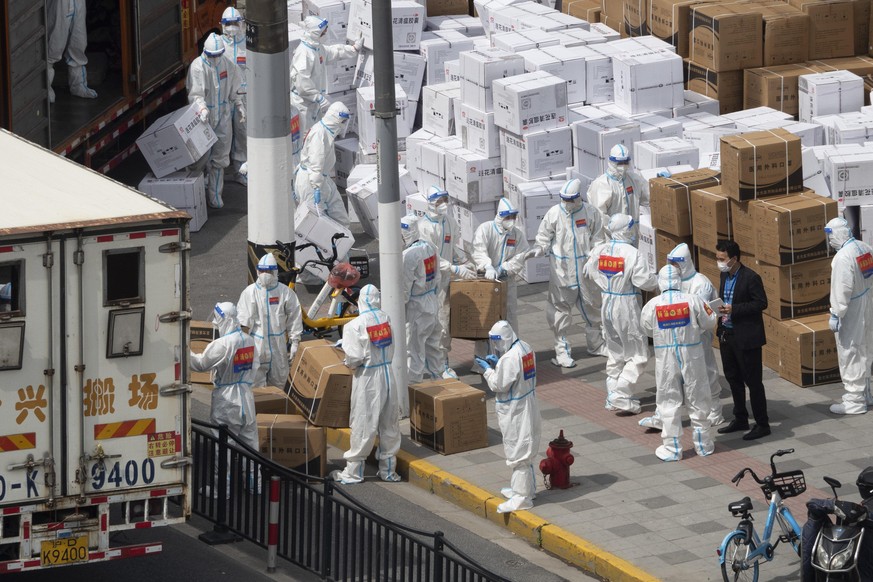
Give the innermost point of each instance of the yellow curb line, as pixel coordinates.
(535, 530)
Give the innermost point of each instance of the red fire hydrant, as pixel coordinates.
(556, 468)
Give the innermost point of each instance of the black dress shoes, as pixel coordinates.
(757, 432)
(734, 426)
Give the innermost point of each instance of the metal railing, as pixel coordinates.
(321, 528)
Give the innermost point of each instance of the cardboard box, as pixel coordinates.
(796, 290)
(670, 199)
(807, 350)
(367, 123)
(437, 51)
(472, 178)
(648, 82)
(695, 102)
(470, 216)
(407, 21)
(523, 40)
(829, 93)
(774, 87)
(540, 154)
(594, 137)
(408, 72)
(309, 226)
(710, 218)
(588, 10)
(831, 27)
(480, 68)
(724, 40)
(536, 270)
(176, 140)
(479, 133)
(530, 102)
(646, 244)
(786, 34)
(761, 163)
(446, 7)
(668, 151)
(666, 242)
(476, 306)
(743, 227)
(336, 12)
(272, 400)
(770, 351)
(708, 266)
(725, 86)
(669, 20)
(201, 334)
(438, 113)
(533, 200)
(790, 229)
(184, 190)
(287, 439)
(567, 63)
(321, 384)
(448, 416)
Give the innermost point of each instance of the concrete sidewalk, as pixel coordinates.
(630, 516)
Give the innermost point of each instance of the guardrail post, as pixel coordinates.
(273, 527)
(326, 528)
(438, 547)
(220, 534)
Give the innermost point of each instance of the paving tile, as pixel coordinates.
(626, 531)
(657, 502)
(706, 527)
(555, 413)
(580, 505)
(818, 439)
(700, 483)
(601, 435)
(484, 457)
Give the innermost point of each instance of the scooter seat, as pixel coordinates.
(741, 506)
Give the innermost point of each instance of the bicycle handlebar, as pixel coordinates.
(322, 260)
(739, 476)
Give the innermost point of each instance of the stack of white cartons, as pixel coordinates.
(408, 19)
(346, 149)
(484, 9)
(523, 40)
(846, 128)
(594, 137)
(609, 34)
(340, 72)
(466, 25)
(516, 17)
(408, 74)
(670, 151)
(695, 102)
(184, 190)
(828, 93)
(438, 47)
(363, 195)
(850, 176)
(706, 130)
(366, 102)
(431, 170)
(648, 82)
(479, 69)
(473, 179)
(441, 104)
(746, 118)
(555, 22)
(311, 225)
(413, 149)
(533, 200)
(573, 37)
(568, 63)
(657, 126)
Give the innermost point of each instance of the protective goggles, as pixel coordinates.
(507, 213)
(438, 196)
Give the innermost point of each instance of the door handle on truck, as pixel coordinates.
(173, 316)
(175, 389)
(173, 462)
(174, 247)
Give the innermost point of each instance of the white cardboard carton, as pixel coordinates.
(648, 82)
(479, 133)
(536, 270)
(466, 25)
(567, 63)
(540, 154)
(452, 71)
(850, 177)
(184, 190)
(828, 93)
(512, 183)
(695, 102)
(336, 12)
(601, 28)
(367, 123)
(437, 51)
(480, 68)
(309, 226)
(364, 195)
(413, 149)
(472, 178)
(646, 243)
(176, 140)
(340, 74)
(657, 126)
(416, 204)
(523, 40)
(573, 37)
(533, 200)
(530, 102)
(593, 138)
(408, 72)
(432, 163)
(470, 216)
(407, 20)
(670, 151)
(438, 112)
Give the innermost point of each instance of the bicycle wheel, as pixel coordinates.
(737, 549)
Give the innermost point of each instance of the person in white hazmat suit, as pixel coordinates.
(231, 360)
(233, 33)
(511, 373)
(568, 232)
(500, 249)
(67, 39)
(309, 70)
(621, 273)
(368, 343)
(440, 230)
(213, 88)
(421, 283)
(676, 321)
(851, 314)
(312, 181)
(620, 189)
(271, 312)
(698, 284)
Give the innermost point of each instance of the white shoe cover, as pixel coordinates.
(716, 420)
(849, 408)
(515, 503)
(506, 492)
(389, 476)
(670, 450)
(703, 444)
(449, 374)
(563, 361)
(345, 478)
(651, 422)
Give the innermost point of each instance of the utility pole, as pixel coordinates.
(272, 125)
(388, 179)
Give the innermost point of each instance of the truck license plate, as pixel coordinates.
(64, 551)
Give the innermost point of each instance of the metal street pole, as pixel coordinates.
(270, 129)
(390, 209)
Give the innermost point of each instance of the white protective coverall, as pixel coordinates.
(620, 189)
(621, 273)
(568, 232)
(851, 314)
(676, 320)
(68, 38)
(514, 380)
(213, 88)
(231, 359)
(233, 28)
(698, 284)
(369, 346)
(312, 181)
(500, 249)
(421, 282)
(309, 70)
(272, 313)
(439, 229)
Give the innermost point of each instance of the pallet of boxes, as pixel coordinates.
(761, 203)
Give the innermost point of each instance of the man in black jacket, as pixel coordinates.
(741, 336)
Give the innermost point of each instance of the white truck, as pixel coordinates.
(94, 395)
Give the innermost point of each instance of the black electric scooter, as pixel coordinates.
(838, 546)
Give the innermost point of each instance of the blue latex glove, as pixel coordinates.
(664, 174)
(491, 359)
(485, 364)
(318, 195)
(834, 323)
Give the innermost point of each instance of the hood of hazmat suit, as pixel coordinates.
(314, 28)
(506, 217)
(437, 202)
(232, 24)
(838, 232)
(501, 337)
(619, 161)
(621, 228)
(409, 230)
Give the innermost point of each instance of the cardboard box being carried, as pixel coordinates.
(807, 350)
(321, 384)
(670, 199)
(761, 163)
(796, 290)
(202, 333)
(475, 307)
(176, 140)
(272, 400)
(790, 229)
(287, 439)
(447, 416)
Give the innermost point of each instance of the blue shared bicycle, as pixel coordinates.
(742, 549)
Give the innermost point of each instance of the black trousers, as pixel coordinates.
(743, 367)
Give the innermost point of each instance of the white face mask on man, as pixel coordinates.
(725, 266)
(266, 279)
